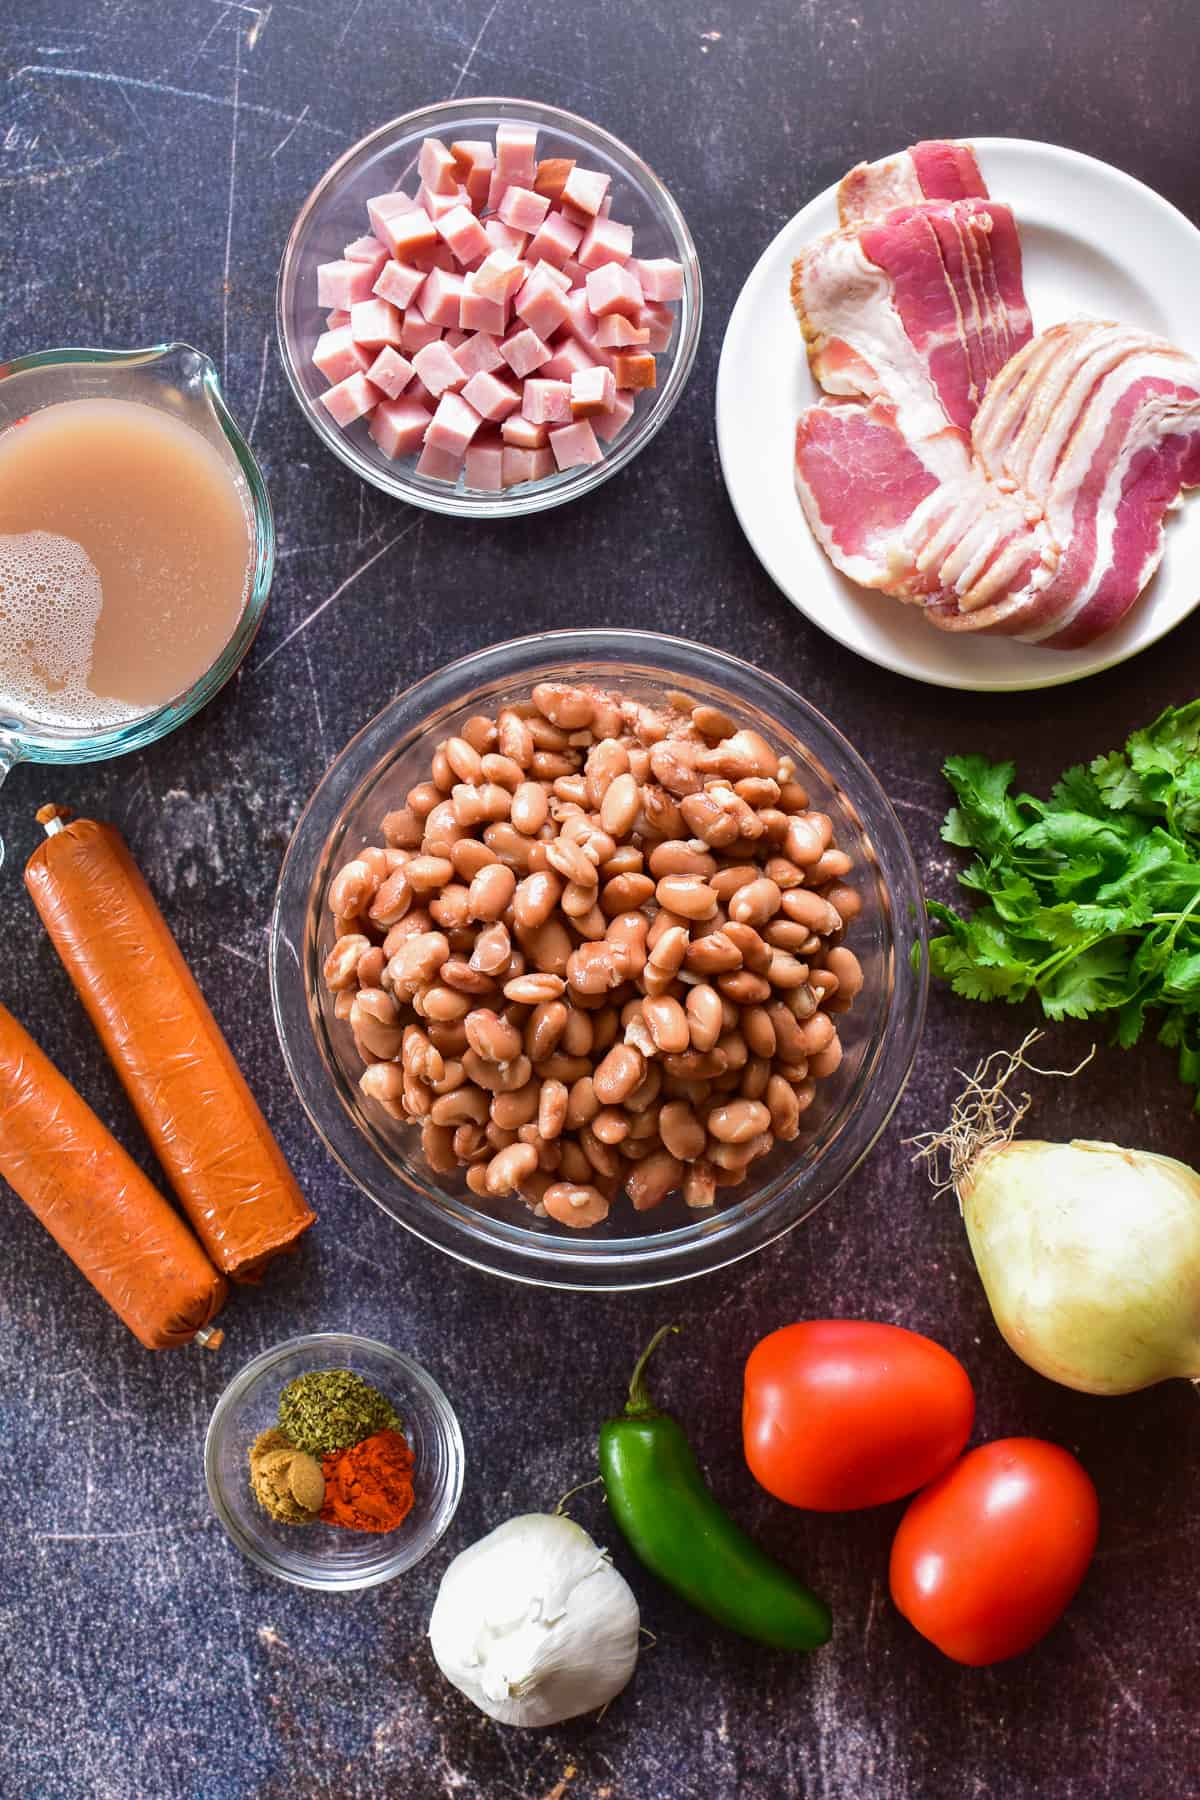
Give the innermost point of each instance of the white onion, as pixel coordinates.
(1089, 1254)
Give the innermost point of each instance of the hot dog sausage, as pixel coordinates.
(96, 1203)
(189, 1093)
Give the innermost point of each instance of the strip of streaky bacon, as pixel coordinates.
(1048, 522)
(1099, 424)
(936, 169)
(919, 309)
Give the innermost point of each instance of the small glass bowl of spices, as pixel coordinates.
(334, 1461)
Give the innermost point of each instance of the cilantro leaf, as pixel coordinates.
(1090, 899)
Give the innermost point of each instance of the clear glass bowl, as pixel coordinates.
(326, 1556)
(177, 379)
(336, 212)
(880, 1035)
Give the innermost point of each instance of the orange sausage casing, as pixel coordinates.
(179, 1072)
(96, 1203)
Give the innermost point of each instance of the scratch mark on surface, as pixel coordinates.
(142, 127)
(242, 955)
(113, 1537)
(1102, 1657)
(336, 595)
(262, 382)
(350, 18)
(176, 93)
(233, 147)
(466, 67)
(316, 700)
(261, 15)
(289, 135)
(101, 1399)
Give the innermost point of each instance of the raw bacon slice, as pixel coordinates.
(936, 169)
(1048, 522)
(919, 309)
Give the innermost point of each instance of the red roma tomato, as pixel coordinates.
(842, 1413)
(987, 1558)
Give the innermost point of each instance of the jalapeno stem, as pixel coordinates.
(639, 1404)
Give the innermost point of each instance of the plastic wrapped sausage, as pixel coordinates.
(177, 1069)
(95, 1202)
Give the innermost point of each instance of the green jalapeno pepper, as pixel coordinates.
(659, 1499)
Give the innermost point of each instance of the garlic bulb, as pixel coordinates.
(1090, 1258)
(534, 1624)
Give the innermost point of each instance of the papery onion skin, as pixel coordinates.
(1090, 1258)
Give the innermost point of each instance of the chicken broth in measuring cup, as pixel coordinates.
(126, 555)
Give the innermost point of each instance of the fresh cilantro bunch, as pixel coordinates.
(1091, 899)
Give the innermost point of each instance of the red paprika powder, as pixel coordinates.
(368, 1487)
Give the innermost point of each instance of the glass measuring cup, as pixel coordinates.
(181, 381)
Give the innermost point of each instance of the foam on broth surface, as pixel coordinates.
(125, 552)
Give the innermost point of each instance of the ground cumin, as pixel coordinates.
(368, 1487)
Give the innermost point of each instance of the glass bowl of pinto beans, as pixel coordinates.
(321, 1555)
(678, 1028)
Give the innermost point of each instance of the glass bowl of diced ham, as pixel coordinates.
(488, 307)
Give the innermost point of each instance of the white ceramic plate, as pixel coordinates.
(1095, 242)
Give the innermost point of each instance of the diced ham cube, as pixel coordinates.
(485, 466)
(592, 391)
(479, 312)
(522, 209)
(613, 289)
(502, 237)
(383, 207)
(555, 241)
(516, 154)
(342, 284)
(497, 188)
(605, 241)
(551, 175)
(615, 332)
(438, 205)
(478, 351)
(439, 465)
(634, 369)
(575, 445)
(525, 465)
(439, 369)
(453, 425)
(390, 372)
(399, 283)
(406, 234)
(475, 161)
(524, 352)
(492, 399)
(570, 356)
(374, 323)
(366, 250)
(546, 402)
(523, 433)
(437, 167)
(453, 338)
(661, 278)
(417, 331)
(350, 399)
(336, 318)
(659, 321)
(500, 275)
(585, 189)
(399, 426)
(464, 234)
(575, 272)
(337, 355)
(440, 299)
(557, 278)
(608, 425)
(541, 304)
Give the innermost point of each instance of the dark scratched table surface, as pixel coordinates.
(152, 157)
